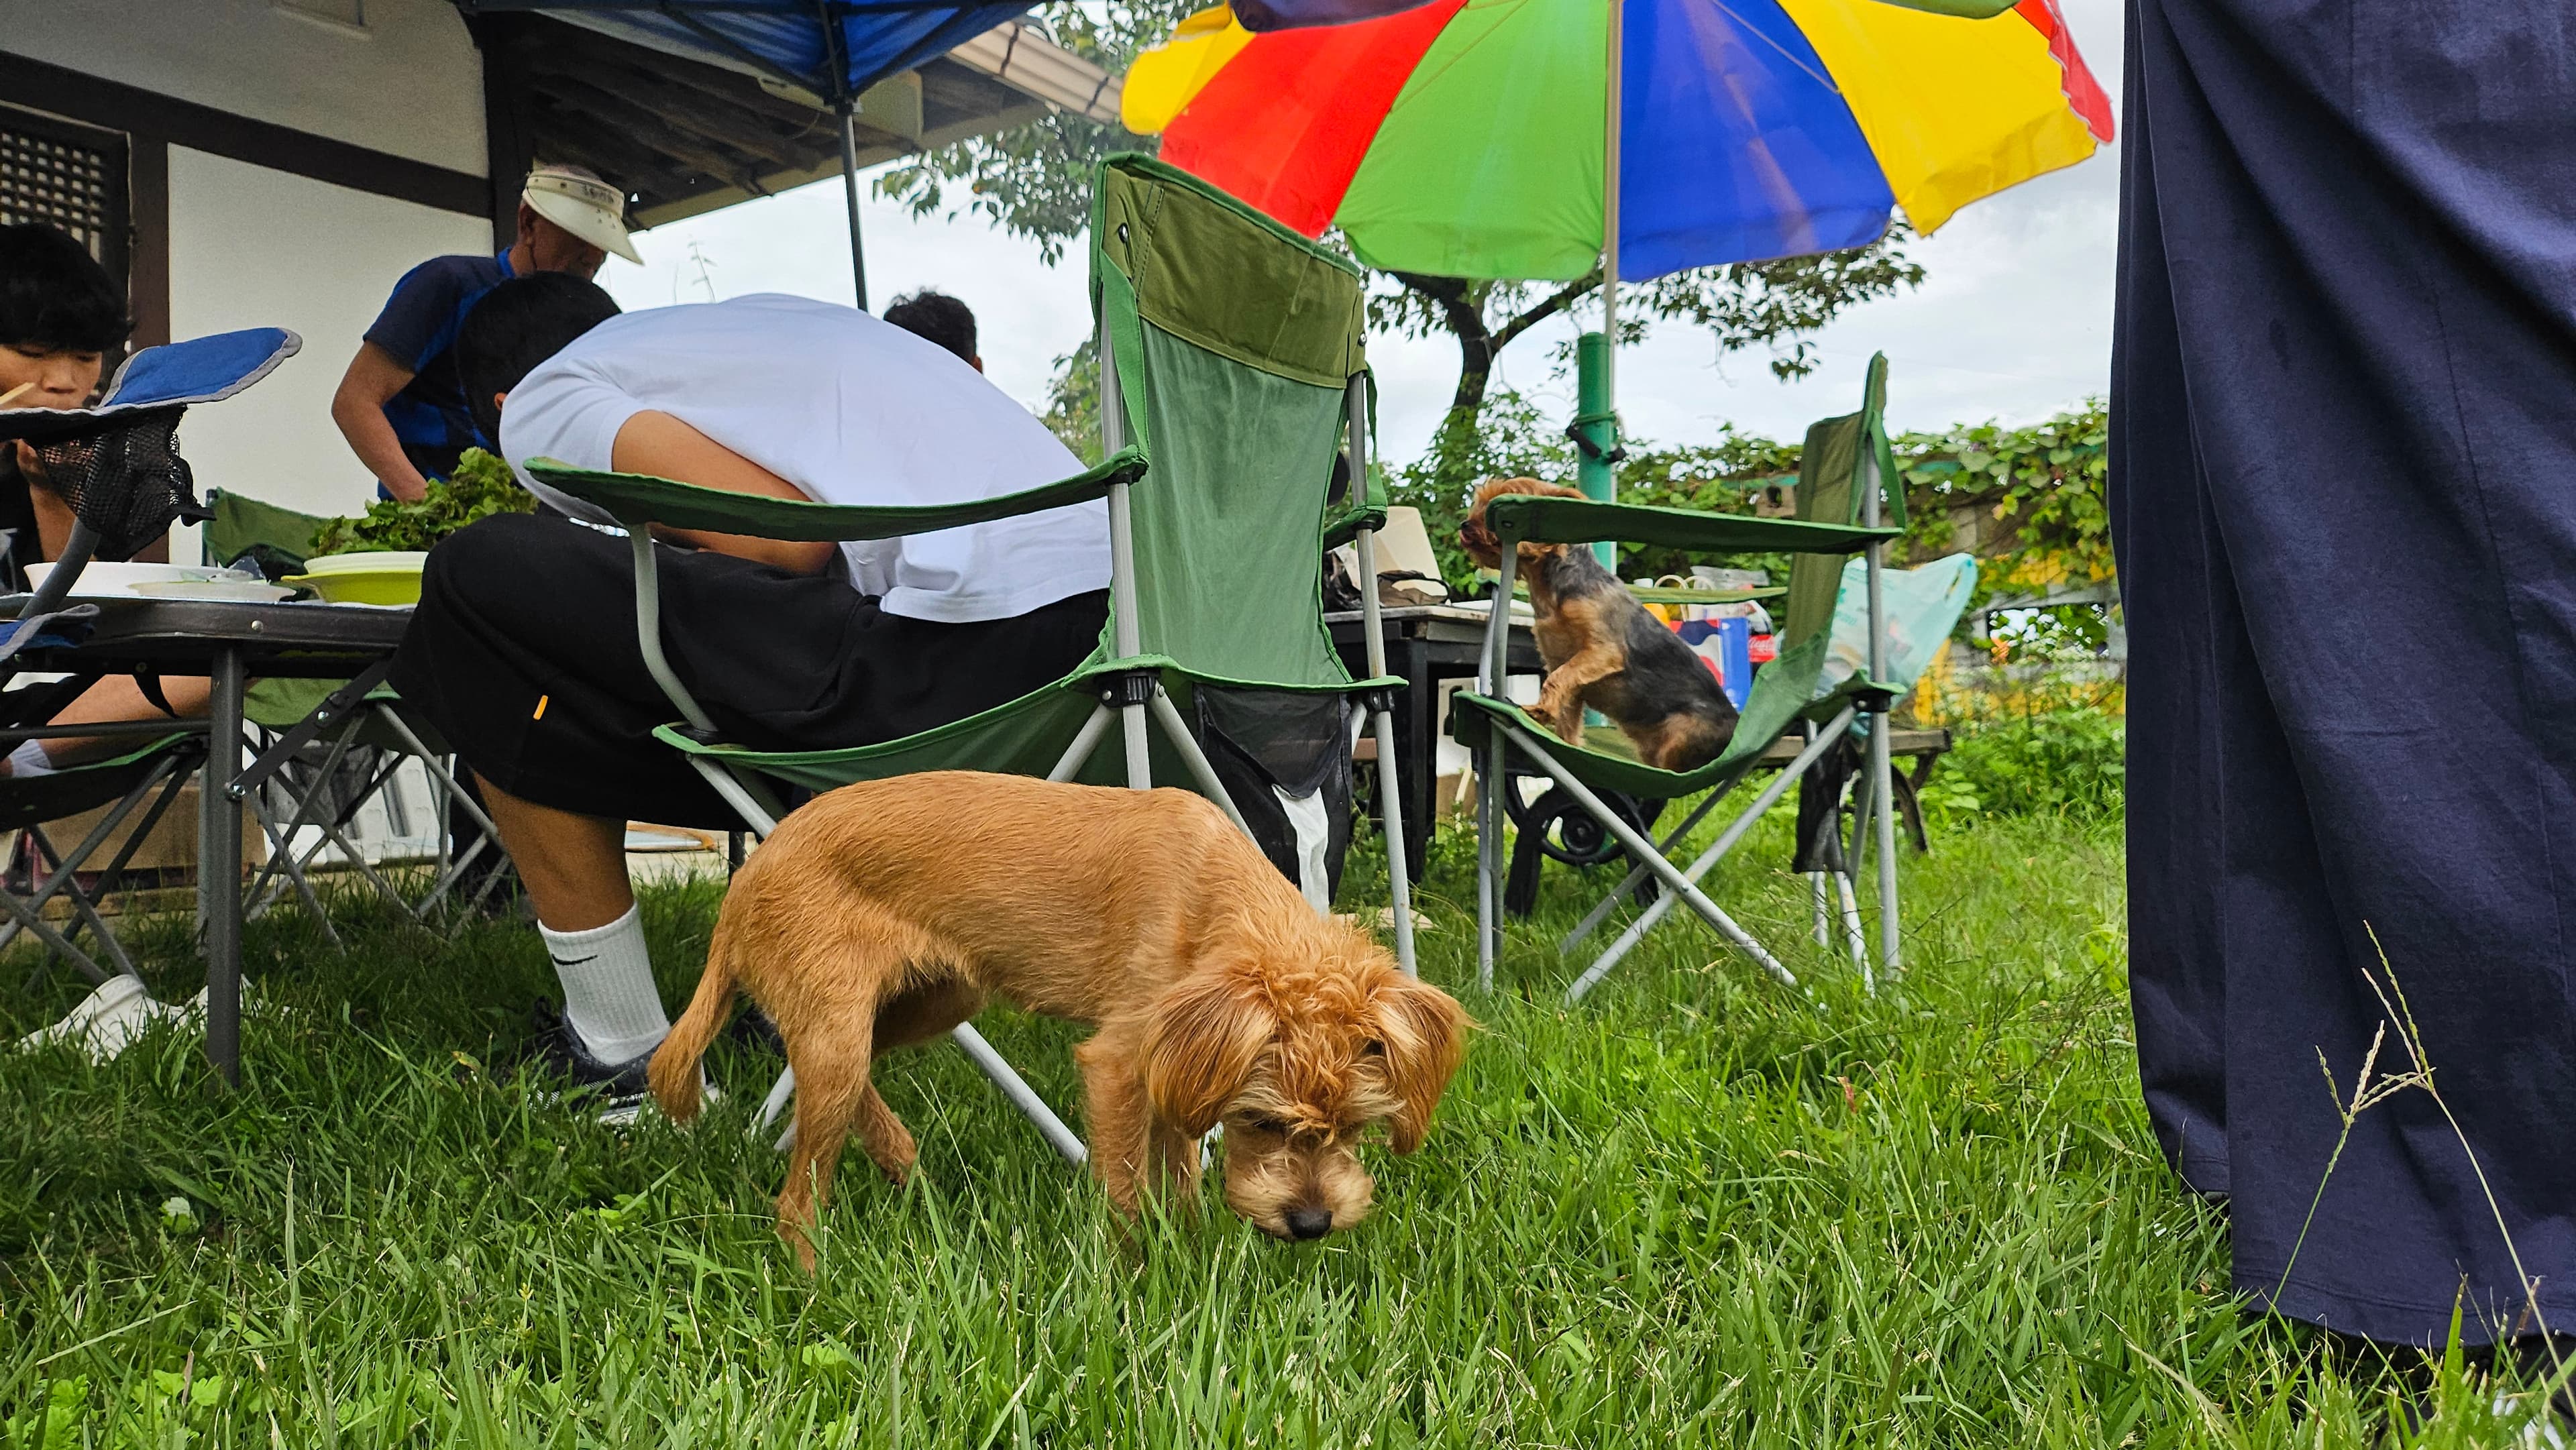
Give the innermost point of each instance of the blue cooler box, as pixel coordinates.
(1727, 646)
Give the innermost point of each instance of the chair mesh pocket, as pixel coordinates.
(127, 482)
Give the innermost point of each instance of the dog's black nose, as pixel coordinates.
(1309, 1223)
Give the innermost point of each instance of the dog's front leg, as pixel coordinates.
(1176, 1161)
(1115, 1111)
(1560, 695)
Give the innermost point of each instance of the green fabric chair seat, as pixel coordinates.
(1783, 693)
(35, 800)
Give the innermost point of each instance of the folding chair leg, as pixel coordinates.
(1853, 937)
(755, 806)
(35, 926)
(64, 878)
(1085, 741)
(173, 780)
(282, 861)
(1856, 856)
(279, 856)
(1638, 846)
(1881, 775)
(107, 942)
(776, 1103)
(1391, 826)
(1490, 783)
(1140, 760)
(1022, 1096)
(1761, 804)
(61, 867)
(1637, 874)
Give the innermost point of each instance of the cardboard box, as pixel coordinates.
(172, 846)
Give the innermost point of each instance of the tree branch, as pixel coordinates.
(1563, 298)
(1465, 316)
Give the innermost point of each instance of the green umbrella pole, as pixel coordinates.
(1596, 390)
(1596, 424)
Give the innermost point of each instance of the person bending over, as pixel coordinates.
(61, 316)
(523, 649)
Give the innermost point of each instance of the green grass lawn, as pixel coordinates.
(1697, 1210)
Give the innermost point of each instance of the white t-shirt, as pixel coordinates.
(851, 410)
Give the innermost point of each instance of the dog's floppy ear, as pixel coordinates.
(1201, 1042)
(1425, 1032)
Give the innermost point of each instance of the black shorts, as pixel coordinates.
(523, 654)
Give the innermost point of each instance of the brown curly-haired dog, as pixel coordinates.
(1603, 650)
(886, 913)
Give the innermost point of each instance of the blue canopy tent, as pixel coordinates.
(832, 50)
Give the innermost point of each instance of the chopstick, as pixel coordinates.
(11, 396)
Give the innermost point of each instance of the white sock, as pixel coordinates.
(609, 996)
(30, 760)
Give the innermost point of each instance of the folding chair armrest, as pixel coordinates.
(636, 500)
(1346, 528)
(1549, 520)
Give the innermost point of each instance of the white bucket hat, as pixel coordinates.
(583, 205)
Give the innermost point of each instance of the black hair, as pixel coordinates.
(54, 294)
(516, 326)
(938, 317)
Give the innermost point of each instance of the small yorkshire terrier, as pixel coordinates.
(1603, 650)
(887, 912)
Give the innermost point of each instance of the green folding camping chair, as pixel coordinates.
(1846, 471)
(146, 779)
(323, 749)
(1235, 376)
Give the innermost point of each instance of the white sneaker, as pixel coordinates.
(107, 1021)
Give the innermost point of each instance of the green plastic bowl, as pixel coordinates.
(377, 578)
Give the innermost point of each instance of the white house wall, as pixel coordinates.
(251, 247)
(411, 84)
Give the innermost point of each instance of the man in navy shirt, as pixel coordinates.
(400, 404)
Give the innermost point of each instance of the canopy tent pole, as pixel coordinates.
(1596, 422)
(850, 189)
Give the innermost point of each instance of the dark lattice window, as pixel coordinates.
(68, 176)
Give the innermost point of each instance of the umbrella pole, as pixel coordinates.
(1610, 222)
(850, 188)
(1596, 354)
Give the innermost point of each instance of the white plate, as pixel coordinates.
(229, 591)
(101, 578)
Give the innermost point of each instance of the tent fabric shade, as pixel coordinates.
(1262, 15)
(1465, 138)
(833, 48)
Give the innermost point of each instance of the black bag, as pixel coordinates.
(1269, 743)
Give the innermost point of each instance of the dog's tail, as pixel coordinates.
(1477, 537)
(674, 1069)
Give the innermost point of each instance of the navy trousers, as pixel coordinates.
(2343, 474)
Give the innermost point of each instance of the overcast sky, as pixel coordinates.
(2012, 323)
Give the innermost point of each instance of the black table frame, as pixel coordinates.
(228, 643)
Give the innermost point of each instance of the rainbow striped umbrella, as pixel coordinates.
(1471, 138)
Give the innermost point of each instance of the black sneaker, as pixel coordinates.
(753, 1029)
(619, 1091)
